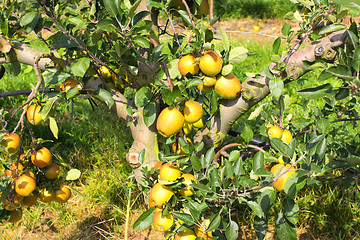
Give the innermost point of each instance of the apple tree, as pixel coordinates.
(206, 144)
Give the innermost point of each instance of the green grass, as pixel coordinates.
(96, 143)
(263, 9)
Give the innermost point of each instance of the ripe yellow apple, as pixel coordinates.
(200, 229)
(169, 172)
(209, 81)
(33, 114)
(29, 200)
(162, 223)
(189, 179)
(46, 195)
(187, 234)
(274, 132)
(204, 89)
(52, 171)
(159, 195)
(15, 216)
(11, 142)
(211, 63)
(41, 158)
(24, 185)
(187, 64)
(169, 122)
(105, 72)
(192, 111)
(63, 194)
(228, 86)
(199, 124)
(70, 83)
(286, 136)
(280, 182)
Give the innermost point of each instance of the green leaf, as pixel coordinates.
(139, 16)
(105, 96)
(353, 38)
(194, 82)
(291, 210)
(28, 18)
(185, 16)
(141, 156)
(111, 6)
(215, 179)
(294, 183)
(201, 187)
(232, 231)
(143, 96)
(72, 92)
(260, 227)
(254, 114)
(332, 28)
(225, 39)
(105, 24)
(284, 149)
(186, 218)
(133, 8)
(276, 45)
(238, 167)
(145, 220)
(316, 92)
(149, 114)
(286, 29)
(283, 229)
(356, 59)
(80, 66)
(267, 199)
(238, 54)
(54, 127)
(209, 156)
(215, 222)
(234, 155)
(247, 133)
(195, 162)
(72, 175)
(256, 208)
(226, 69)
(276, 86)
(45, 110)
(314, 142)
(258, 161)
(170, 97)
(229, 169)
(340, 71)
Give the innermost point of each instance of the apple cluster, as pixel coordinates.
(210, 64)
(277, 132)
(160, 194)
(170, 120)
(30, 174)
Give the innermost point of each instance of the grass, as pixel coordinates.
(96, 143)
(260, 9)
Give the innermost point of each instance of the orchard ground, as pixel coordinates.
(98, 213)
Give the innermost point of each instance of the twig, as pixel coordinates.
(32, 94)
(189, 12)
(217, 155)
(25, 92)
(172, 25)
